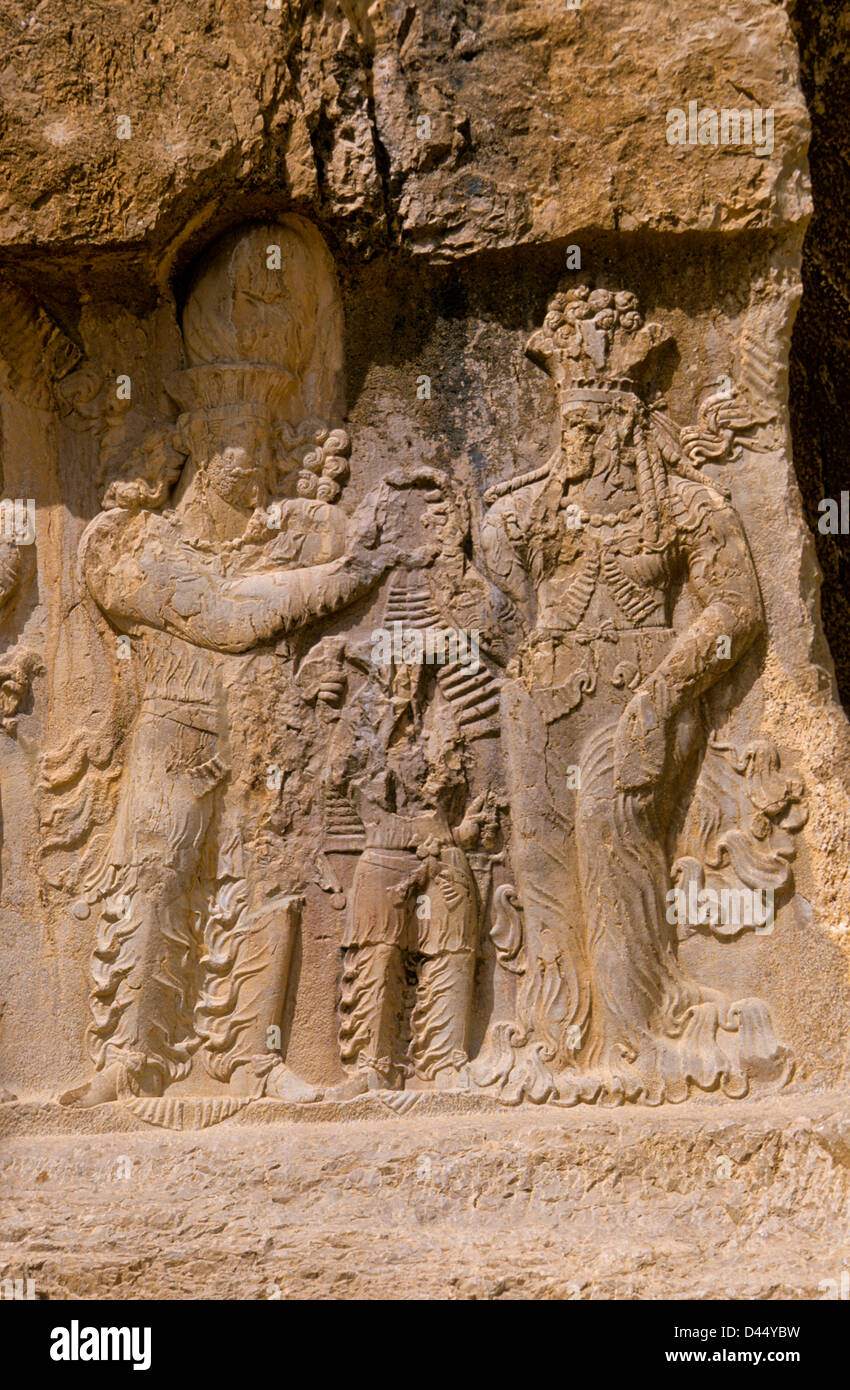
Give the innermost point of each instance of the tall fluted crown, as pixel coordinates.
(263, 324)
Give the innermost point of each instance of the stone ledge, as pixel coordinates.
(704, 1201)
(20, 1118)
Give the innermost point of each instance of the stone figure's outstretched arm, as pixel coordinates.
(290, 598)
(137, 583)
(723, 578)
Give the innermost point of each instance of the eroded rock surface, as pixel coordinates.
(681, 1205)
(412, 684)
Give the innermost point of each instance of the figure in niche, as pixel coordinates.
(198, 886)
(409, 756)
(601, 722)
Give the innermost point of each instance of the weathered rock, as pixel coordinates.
(691, 1203)
(413, 695)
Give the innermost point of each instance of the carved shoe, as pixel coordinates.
(364, 1080)
(116, 1080)
(283, 1084)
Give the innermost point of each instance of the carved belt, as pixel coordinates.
(561, 679)
(399, 860)
(605, 632)
(195, 714)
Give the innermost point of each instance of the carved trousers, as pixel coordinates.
(372, 1003)
(604, 991)
(190, 951)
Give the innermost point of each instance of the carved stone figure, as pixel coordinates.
(402, 720)
(198, 589)
(527, 762)
(404, 758)
(18, 666)
(601, 722)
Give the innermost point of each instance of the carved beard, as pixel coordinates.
(242, 492)
(580, 460)
(550, 544)
(615, 468)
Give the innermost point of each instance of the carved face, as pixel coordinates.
(235, 455)
(416, 517)
(581, 428)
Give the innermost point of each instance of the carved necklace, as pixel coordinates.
(603, 518)
(256, 532)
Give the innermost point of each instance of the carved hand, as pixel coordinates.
(421, 557)
(394, 540)
(332, 691)
(454, 889)
(378, 560)
(467, 833)
(640, 745)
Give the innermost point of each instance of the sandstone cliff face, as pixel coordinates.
(819, 346)
(458, 195)
(543, 121)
